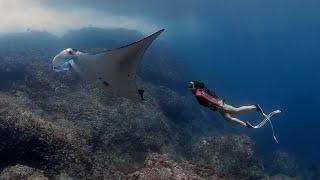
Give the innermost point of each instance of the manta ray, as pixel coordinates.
(114, 70)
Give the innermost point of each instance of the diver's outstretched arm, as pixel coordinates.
(235, 110)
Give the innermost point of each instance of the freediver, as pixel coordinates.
(209, 99)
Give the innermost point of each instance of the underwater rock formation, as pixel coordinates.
(160, 167)
(285, 163)
(231, 156)
(25, 137)
(214, 158)
(22, 172)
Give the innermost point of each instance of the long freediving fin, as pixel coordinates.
(267, 118)
(273, 133)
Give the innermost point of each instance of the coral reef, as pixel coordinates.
(230, 156)
(22, 172)
(27, 138)
(160, 167)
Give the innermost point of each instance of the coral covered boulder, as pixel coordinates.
(162, 168)
(230, 156)
(27, 138)
(22, 172)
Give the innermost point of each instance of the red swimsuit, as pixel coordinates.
(206, 99)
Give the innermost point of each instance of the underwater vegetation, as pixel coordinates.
(56, 126)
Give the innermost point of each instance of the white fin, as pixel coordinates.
(267, 118)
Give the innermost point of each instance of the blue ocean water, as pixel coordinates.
(248, 52)
(267, 53)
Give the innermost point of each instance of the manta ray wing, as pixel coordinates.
(116, 70)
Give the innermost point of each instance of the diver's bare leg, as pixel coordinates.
(235, 110)
(232, 120)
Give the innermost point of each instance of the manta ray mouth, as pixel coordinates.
(66, 66)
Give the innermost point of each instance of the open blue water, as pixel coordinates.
(267, 53)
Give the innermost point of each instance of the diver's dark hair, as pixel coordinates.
(198, 84)
(201, 85)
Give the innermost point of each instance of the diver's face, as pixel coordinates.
(62, 61)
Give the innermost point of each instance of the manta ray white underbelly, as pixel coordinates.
(115, 70)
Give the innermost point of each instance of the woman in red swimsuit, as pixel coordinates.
(208, 99)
